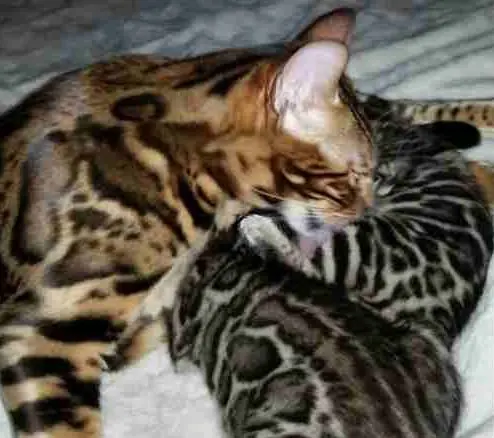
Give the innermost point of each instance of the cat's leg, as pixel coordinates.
(50, 372)
(51, 343)
(147, 320)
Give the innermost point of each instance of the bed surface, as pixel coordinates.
(416, 48)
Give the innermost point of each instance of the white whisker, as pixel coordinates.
(306, 203)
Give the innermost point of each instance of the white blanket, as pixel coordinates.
(415, 48)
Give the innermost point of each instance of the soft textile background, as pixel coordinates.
(414, 48)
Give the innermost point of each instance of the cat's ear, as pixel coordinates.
(306, 88)
(336, 26)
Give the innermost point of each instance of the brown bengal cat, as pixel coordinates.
(109, 172)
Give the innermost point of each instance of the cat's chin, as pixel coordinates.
(365, 197)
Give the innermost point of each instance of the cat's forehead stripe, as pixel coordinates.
(206, 71)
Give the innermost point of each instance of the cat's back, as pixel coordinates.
(129, 131)
(293, 356)
(133, 88)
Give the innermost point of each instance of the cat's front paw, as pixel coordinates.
(262, 236)
(271, 239)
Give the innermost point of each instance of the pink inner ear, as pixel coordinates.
(336, 26)
(310, 77)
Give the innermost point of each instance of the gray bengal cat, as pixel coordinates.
(306, 327)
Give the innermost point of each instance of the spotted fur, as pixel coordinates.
(110, 172)
(309, 328)
(107, 174)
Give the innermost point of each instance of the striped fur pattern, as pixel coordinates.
(305, 327)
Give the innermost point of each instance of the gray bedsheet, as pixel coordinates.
(39, 38)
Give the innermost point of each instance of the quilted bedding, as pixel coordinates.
(402, 48)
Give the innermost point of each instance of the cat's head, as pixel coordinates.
(314, 100)
(322, 150)
(284, 123)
